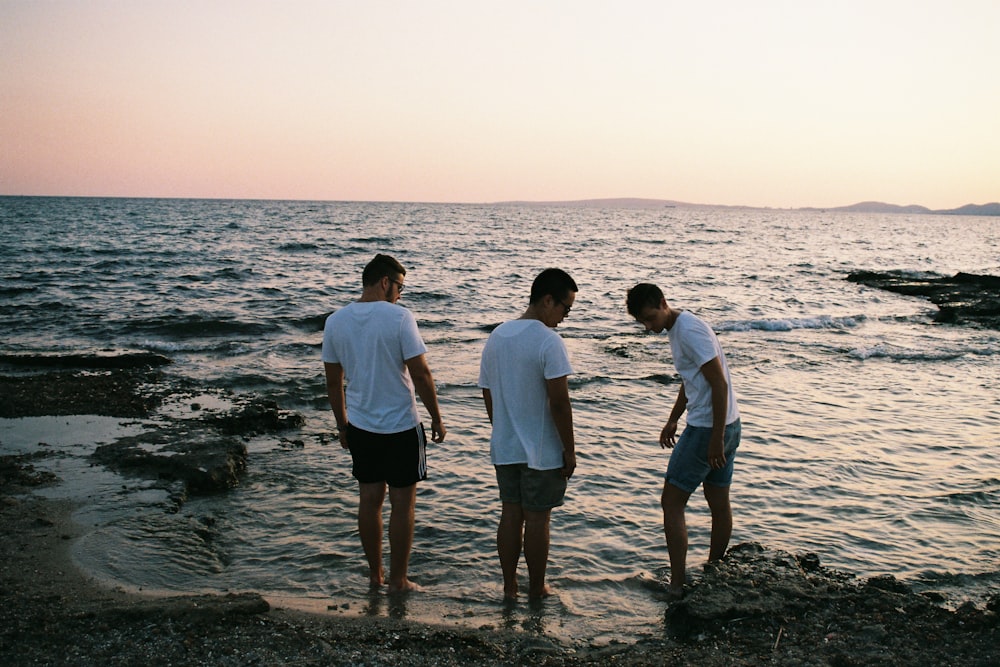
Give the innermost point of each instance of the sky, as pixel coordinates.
(757, 103)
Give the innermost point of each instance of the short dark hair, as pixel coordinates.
(381, 267)
(552, 282)
(642, 296)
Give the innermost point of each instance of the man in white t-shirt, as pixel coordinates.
(524, 374)
(705, 452)
(375, 346)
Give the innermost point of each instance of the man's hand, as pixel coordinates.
(569, 464)
(438, 431)
(668, 436)
(716, 454)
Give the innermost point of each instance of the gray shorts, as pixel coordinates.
(533, 490)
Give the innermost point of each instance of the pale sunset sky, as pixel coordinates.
(739, 102)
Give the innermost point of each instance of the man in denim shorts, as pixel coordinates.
(524, 377)
(373, 345)
(706, 450)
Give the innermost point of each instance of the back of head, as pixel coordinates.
(642, 296)
(552, 282)
(380, 267)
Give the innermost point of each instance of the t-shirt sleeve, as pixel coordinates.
(555, 362)
(700, 344)
(329, 351)
(484, 382)
(409, 336)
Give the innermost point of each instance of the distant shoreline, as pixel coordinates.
(990, 209)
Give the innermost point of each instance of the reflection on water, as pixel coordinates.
(869, 432)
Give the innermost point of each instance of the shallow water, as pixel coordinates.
(870, 432)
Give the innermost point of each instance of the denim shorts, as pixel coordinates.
(689, 467)
(533, 490)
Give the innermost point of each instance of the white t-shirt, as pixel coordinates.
(372, 341)
(693, 344)
(519, 356)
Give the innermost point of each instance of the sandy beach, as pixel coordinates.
(758, 607)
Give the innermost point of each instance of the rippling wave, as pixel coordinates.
(869, 432)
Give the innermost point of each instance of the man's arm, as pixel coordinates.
(335, 393)
(488, 401)
(562, 413)
(668, 436)
(716, 378)
(423, 382)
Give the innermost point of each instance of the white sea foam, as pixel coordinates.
(791, 324)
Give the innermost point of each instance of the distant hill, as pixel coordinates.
(861, 207)
(974, 209)
(879, 207)
(620, 202)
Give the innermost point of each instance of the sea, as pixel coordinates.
(870, 432)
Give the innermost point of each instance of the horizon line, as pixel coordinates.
(619, 202)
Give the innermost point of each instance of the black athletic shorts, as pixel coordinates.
(398, 459)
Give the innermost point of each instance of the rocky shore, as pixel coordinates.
(965, 298)
(757, 607)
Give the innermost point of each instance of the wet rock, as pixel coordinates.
(17, 472)
(95, 361)
(112, 393)
(203, 459)
(961, 299)
(255, 416)
(889, 583)
(809, 614)
(190, 456)
(749, 582)
(935, 596)
(809, 562)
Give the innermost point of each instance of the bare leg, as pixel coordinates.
(722, 520)
(370, 528)
(536, 551)
(674, 501)
(510, 534)
(403, 501)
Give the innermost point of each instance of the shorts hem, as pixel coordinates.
(674, 484)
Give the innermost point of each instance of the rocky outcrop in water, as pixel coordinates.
(206, 453)
(202, 451)
(106, 361)
(964, 298)
(111, 393)
(17, 472)
(254, 416)
(203, 460)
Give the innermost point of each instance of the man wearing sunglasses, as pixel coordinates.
(373, 344)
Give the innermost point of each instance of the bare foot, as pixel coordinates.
(538, 595)
(406, 587)
(376, 579)
(675, 593)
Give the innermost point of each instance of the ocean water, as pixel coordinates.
(870, 433)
